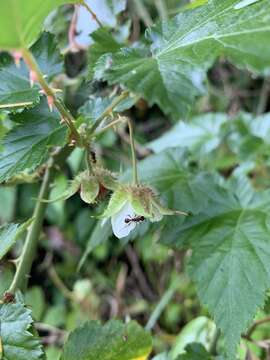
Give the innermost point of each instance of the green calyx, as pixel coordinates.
(92, 184)
(143, 200)
(89, 185)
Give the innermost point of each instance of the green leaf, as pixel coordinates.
(113, 341)
(27, 145)
(104, 42)
(15, 89)
(195, 352)
(199, 330)
(7, 238)
(9, 234)
(47, 55)
(21, 21)
(17, 340)
(183, 48)
(201, 135)
(230, 240)
(93, 108)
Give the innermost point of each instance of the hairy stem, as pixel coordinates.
(94, 16)
(143, 13)
(66, 115)
(26, 259)
(133, 152)
(132, 143)
(162, 9)
(109, 109)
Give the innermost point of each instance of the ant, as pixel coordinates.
(137, 219)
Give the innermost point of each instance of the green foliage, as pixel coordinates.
(15, 89)
(7, 238)
(18, 342)
(27, 145)
(113, 341)
(185, 47)
(21, 22)
(201, 136)
(230, 241)
(195, 352)
(213, 165)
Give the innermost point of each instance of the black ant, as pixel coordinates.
(137, 219)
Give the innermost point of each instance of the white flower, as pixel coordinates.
(119, 226)
(130, 205)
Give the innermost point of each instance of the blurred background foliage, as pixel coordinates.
(140, 277)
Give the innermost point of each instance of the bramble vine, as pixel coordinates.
(156, 115)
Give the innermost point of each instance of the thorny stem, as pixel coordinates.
(32, 64)
(26, 259)
(94, 16)
(20, 279)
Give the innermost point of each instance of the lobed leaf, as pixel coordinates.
(230, 241)
(17, 340)
(27, 145)
(183, 48)
(15, 89)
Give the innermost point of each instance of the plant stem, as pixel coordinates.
(264, 96)
(94, 16)
(109, 109)
(26, 259)
(132, 143)
(133, 152)
(88, 159)
(32, 64)
(255, 325)
(60, 285)
(164, 301)
(162, 9)
(110, 125)
(143, 13)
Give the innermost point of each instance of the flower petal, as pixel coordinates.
(119, 226)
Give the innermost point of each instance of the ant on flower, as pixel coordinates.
(136, 219)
